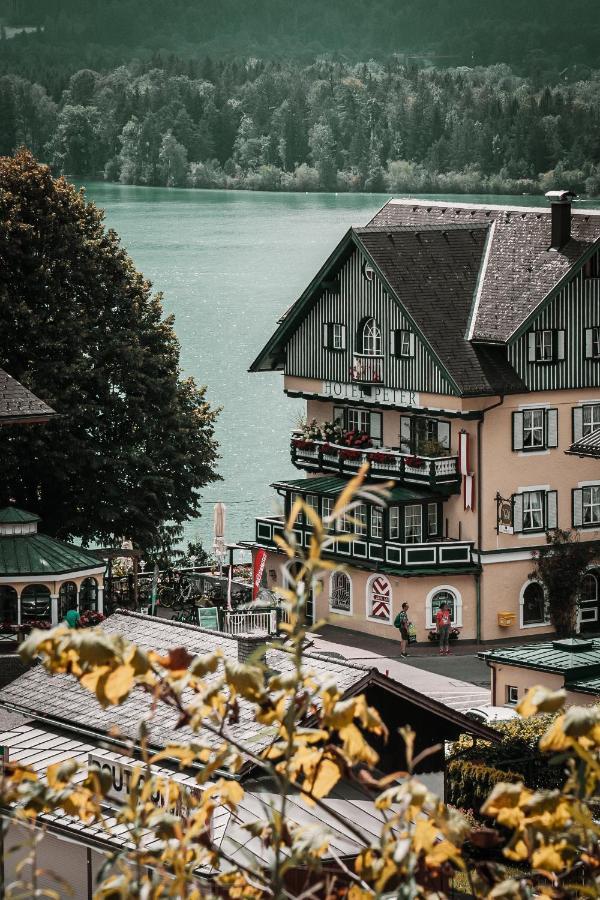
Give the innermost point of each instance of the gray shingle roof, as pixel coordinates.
(521, 269)
(17, 404)
(434, 274)
(588, 445)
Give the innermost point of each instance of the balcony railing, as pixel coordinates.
(320, 456)
(367, 369)
(437, 554)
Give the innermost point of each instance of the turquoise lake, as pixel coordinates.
(229, 264)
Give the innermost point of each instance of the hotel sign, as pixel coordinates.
(504, 515)
(386, 396)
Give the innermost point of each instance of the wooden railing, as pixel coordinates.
(367, 369)
(321, 456)
(447, 554)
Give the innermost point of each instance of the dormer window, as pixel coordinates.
(370, 342)
(334, 336)
(543, 345)
(403, 343)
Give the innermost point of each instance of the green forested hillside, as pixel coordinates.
(539, 33)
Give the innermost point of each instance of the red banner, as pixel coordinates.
(257, 571)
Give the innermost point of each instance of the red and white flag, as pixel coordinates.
(469, 491)
(257, 571)
(464, 461)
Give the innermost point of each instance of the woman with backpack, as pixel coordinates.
(401, 623)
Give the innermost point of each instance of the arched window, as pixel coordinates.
(533, 605)
(379, 599)
(589, 588)
(8, 604)
(88, 595)
(35, 603)
(443, 594)
(340, 593)
(67, 598)
(370, 343)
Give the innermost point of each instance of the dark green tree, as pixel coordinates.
(134, 442)
(560, 567)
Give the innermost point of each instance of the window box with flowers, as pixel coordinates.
(350, 454)
(382, 458)
(302, 444)
(415, 462)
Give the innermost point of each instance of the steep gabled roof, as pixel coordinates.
(17, 404)
(432, 274)
(588, 445)
(520, 271)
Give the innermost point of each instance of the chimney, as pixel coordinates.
(561, 217)
(247, 646)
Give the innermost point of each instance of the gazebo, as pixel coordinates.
(41, 576)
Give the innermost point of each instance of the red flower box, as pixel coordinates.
(331, 451)
(415, 462)
(302, 444)
(350, 454)
(382, 457)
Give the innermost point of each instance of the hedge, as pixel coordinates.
(469, 784)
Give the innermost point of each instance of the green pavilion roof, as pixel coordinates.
(11, 515)
(38, 554)
(332, 486)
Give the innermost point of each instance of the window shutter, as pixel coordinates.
(517, 512)
(551, 510)
(560, 344)
(577, 423)
(411, 344)
(444, 434)
(325, 334)
(588, 343)
(531, 346)
(343, 336)
(517, 422)
(552, 428)
(375, 426)
(577, 507)
(394, 335)
(405, 435)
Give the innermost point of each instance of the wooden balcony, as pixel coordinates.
(367, 369)
(416, 558)
(437, 473)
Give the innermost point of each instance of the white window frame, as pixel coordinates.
(368, 601)
(522, 605)
(595, 342)
(543, 345)
(312, 500)
(512, 695)
(433, 507)
(376, 523)
(340, 612)
(360, 514)
(296, 496)
(532, 509)
(593, 504)
(535, 426)
(337, 336)
(458, 606)
(594, 418)
(327, 505)
(357, 417)
(394, 523)
(407, 343)
(419, 529)
(371, 338)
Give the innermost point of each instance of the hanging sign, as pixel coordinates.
(257, 571)
(504, 515)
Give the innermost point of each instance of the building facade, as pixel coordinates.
(456, 348)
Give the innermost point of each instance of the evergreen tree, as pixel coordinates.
(133, 444)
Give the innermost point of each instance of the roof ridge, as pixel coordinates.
(174, 624)
(428, 226)
(493, 207)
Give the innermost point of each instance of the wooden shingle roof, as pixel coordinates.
(520, 269)
(17, 404)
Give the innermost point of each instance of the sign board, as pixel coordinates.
(504, 515)
(208, 617)
(121, 774)
(337, 390)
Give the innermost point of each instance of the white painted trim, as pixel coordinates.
(533, 487)
(521, 599)
(481, 279)
(533, 406)
(514, 556)
(66, 576)
(534, 452)
(581, 484)
(589, 402)
(458, 605)
(340, 612)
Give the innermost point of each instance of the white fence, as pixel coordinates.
(259, 622)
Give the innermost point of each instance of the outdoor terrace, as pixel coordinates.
(438, 473)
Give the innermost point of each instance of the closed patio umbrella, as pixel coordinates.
(219, 532)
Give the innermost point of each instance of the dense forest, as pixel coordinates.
(539, 34)
(324, 126)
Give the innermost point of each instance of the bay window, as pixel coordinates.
(413, 524)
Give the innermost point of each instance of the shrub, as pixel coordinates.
(469, 784)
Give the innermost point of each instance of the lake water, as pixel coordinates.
(229, 264)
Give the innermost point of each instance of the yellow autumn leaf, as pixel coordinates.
(90, 679)
(118, 683)
(555, 738)
(327, 776)
(356, 747)
(345, 498)
(425, 835)
(539, 699)
(549, 858)
(503, 796)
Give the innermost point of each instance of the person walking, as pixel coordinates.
(443, 621)
(401, 623)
